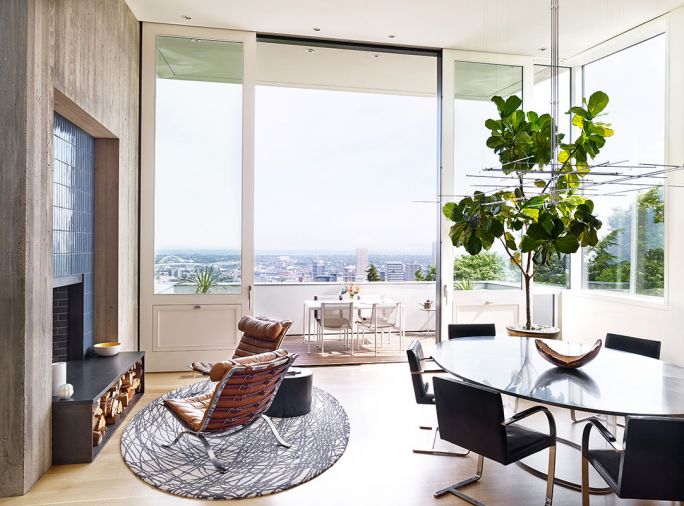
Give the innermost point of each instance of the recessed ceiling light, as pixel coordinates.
(194, 40)
(376, 56)
(391, 36)
(310, 50)
(186, 17)
(316, 29)
(542, 49)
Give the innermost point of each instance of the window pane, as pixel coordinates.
(198, 170)
(346, 150)
(558, 273)
(630, 254)
(474, 86)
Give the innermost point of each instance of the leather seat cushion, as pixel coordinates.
(219, 369)
(607, 464)
(262, 327)
(191, 409)
(523, 442)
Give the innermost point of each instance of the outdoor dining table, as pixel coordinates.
(359, 305)
(615, 383)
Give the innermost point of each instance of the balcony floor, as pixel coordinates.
(337, 354)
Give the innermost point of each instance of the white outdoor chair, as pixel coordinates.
(384, 318)
(317, 313)
(337, 316)
(365, 313)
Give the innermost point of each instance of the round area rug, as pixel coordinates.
(257, 464)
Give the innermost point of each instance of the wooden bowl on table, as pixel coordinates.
(567, 361)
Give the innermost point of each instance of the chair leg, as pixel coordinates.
(169, 445)
(550, 475)
(432, 451)
(212, 456)
(275, 432)
(585, 482)
(453, 489)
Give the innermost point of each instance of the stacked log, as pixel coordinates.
(112, 404)
(99, 425)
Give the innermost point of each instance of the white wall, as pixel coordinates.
(590, 315)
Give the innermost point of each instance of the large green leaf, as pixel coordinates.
(567, 244)
(536, 231)
(597, 103)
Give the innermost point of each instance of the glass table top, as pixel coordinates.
(614, 383)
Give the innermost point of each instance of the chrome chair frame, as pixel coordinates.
(427, 400)
(550, 475)
(202, 434)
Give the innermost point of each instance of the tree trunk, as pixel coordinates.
(528, 302)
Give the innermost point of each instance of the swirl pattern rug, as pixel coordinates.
(257, 464)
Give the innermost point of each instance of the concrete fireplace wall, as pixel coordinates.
(56, 53)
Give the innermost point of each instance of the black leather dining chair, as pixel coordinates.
(645, 347)
(472, 417)
(648, 465)
(421, 390)
(456, 330)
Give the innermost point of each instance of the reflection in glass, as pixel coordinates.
(198, 166)
(474, 86)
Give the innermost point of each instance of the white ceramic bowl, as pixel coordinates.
(108, 349)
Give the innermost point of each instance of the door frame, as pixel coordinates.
(240, 303)
(448, 177)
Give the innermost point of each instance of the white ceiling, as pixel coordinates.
(498, 26)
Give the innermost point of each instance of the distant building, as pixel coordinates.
(361, 263)
(410, 274)
(327, 278)
(350, 274)
(394, 271)
(317, 269)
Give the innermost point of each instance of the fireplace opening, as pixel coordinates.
(67, 319)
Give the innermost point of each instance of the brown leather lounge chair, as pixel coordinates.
(260, 335)
(244, 392)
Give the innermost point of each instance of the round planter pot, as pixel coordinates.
(543, 333)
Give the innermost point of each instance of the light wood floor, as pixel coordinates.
(378, 467)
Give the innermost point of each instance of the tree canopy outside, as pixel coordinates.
(485, 266)
(372, 273)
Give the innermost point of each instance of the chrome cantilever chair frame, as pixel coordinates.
(425, 399)
(202, 434)
(550, 475)
(480, 426)
(610, 439)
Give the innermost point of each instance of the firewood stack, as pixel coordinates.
(115, 400)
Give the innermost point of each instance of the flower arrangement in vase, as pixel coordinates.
(352, 290)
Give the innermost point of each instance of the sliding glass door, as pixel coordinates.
(196, 193)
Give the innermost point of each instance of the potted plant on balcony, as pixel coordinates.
(539, 215)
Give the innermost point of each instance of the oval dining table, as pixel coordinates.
(615, 383)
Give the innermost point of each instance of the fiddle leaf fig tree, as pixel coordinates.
(540, 215)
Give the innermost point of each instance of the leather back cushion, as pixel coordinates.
(249, 390)
(261, 335)
(260, 327)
